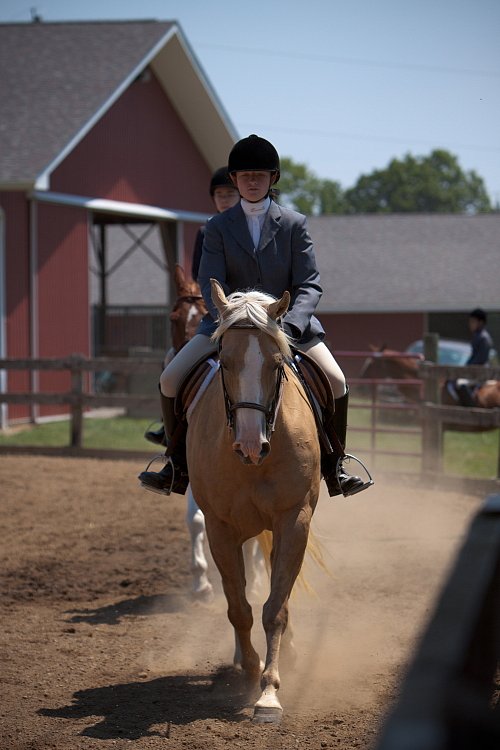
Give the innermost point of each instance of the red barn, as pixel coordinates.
(102, 123)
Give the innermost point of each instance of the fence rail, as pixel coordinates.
(433, 418)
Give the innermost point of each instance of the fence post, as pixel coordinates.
(76, 406)
(432, 433)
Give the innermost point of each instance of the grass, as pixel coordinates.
(466, 454)
(123, 433)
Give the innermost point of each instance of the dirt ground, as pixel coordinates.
(102, 645)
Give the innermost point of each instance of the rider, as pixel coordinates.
(258, 244)
(224, 195)
(481, 345)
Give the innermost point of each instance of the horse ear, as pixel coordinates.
(218, 296)
(179, 276)
(278, 309)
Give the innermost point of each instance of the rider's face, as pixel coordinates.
(225, 197)
(254, 185)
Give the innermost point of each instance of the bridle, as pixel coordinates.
(190, 299)
(271, 410)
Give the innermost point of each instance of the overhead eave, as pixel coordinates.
(138, 211)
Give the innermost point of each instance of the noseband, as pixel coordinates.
(271, 410)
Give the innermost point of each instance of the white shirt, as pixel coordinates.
(255, 214)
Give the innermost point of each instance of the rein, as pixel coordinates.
(270, 411)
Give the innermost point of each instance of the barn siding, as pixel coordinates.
(17, 290)
(357, 331)
(63, 291)
(140, 151)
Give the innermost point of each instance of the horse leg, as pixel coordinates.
(228, 557)
(202, 588)
(289, 546)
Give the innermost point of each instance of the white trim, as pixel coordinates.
(210, 91)
(120, 208)
(42, 181)
(4, 414)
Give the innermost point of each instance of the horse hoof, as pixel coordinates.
(267, 715)
(204, 595)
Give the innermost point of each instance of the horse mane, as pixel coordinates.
(250, 309)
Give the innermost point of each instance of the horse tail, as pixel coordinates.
(314, 554)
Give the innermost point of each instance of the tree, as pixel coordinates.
(302, 190)
(425, 184)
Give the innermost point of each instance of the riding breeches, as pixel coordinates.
(198, 347)
(201, 346)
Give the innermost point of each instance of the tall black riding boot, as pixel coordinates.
(338, 481)
(174, 475)
(156, 436)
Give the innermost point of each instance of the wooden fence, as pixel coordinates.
(79, 397)
(437, 417)
(450, 697)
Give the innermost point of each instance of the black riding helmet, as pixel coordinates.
(254, 154)
(220, 178)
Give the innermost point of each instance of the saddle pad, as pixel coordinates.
(193, 385)
(316, 380)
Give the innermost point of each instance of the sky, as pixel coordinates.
(343, 87)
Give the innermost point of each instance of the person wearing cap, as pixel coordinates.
(224, 195)
(258, 244)
(481, 345)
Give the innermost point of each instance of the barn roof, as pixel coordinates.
(408, 262)
(58, 79)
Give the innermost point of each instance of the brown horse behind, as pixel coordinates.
(387, 363)
(242, 485)
(189, 308)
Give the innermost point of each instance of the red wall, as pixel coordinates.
(16, 216)
(357, 331)
(141, 152)
(63, 294)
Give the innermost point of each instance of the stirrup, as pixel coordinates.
(166, 460)
(349, 457)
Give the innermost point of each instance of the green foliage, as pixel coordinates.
(414, 184)
(302, 190)
(426, 184)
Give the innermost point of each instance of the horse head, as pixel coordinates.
(252, 352)
(188, 310)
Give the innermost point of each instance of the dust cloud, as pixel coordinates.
(387, 552)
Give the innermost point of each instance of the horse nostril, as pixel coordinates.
(266, 449)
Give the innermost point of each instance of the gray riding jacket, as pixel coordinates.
(283, 260)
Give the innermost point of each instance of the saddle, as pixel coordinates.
(313, 379)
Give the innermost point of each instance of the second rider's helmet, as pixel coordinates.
(254, 154)
(220, 178)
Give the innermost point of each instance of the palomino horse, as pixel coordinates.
(242, 486)
(386, 363)
(188, 310)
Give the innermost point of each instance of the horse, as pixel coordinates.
(242, 486)
(387, 363)
(188, 310)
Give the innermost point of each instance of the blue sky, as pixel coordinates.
(340, 86)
